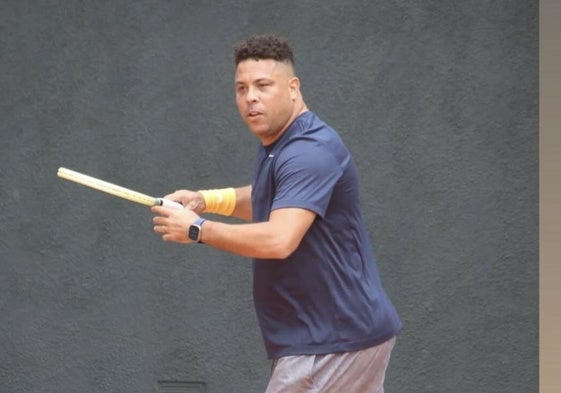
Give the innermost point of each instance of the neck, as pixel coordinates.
(301, 108)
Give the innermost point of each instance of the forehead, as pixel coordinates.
(250, 69)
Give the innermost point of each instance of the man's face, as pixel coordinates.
(265, 94)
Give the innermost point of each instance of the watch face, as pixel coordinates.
(194, 232)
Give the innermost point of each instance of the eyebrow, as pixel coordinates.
(260, 80)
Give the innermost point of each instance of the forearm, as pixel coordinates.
(253, 240)
(230, 201)
(276, 238)
(243, 203)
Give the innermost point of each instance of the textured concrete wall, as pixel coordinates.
(437, 100)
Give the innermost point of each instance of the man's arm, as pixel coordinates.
(273, 239)
(243, 203)
(195, 201)
(276, 238)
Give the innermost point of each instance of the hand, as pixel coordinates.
(192, 200)
(173, 224)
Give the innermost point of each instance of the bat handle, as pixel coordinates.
(169, 204)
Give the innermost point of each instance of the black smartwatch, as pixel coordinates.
(195, 230)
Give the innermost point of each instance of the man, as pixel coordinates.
(325, 318)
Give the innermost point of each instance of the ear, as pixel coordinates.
(294, 86)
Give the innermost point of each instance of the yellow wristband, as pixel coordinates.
(222, 201)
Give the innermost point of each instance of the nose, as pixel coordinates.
(251, 94)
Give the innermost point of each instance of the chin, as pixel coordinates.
(258, 130)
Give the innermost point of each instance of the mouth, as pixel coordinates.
(254, 114)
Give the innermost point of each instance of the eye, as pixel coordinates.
(240, 89)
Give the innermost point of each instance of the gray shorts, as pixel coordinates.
(347, 372)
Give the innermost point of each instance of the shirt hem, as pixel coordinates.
(330, 348)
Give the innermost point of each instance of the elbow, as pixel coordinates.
(281, 253)
(282, 249)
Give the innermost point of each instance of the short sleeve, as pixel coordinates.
(305, 176)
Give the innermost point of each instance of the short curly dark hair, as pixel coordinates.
(266, 46)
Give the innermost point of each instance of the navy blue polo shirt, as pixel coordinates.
(326, 296)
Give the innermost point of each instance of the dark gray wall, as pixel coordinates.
(437, 100)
